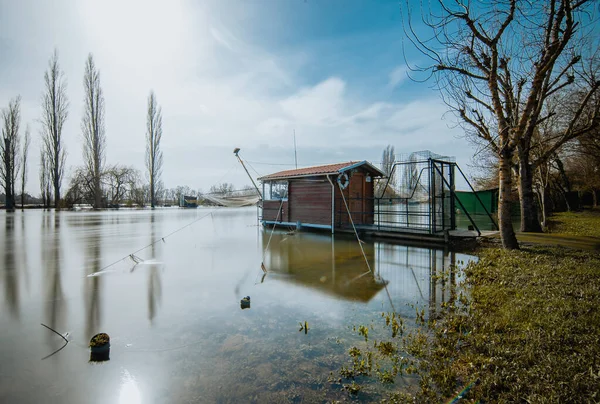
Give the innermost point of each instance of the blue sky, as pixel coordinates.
(229, 73)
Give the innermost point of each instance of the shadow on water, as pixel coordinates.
(11, 272)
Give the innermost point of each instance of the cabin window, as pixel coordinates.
(275, 191)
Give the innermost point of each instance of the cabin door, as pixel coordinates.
(356, 202)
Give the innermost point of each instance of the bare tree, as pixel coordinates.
(154, 156)
(498, 65)
(585, 164)
(9, 150)
(388, 159)
(81, 187)
(221, 189)
(92, 126)
(25, 151)
(120, 180)
(54, 114)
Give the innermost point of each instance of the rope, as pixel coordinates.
(131, 255)
(262, 264)
(360, 242)
(354, 227)
(257, 173)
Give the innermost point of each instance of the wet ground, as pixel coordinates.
(177, 331)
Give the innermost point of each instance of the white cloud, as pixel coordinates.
(322, 104)
(397, 76)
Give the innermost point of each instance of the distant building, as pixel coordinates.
(188, 202)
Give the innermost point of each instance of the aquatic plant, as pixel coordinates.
(352, 388)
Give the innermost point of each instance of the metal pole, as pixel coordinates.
(332, 206)
(236, 151)
(295, 152)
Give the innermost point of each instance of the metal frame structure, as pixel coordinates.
(418, 197)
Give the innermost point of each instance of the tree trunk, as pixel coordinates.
(152, 192)
(529, 215)
(10, 198)
(544, 202)
(507, 233)
(48, 196)
(97, 193)
(594, 198)
(56, 189)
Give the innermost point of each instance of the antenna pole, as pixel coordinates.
(236, 152)
(295, 152)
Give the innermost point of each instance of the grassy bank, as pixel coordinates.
(526, 328)
(529, 332)
(586, 223)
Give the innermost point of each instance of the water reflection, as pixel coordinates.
(10, 271)
(93, 284)
(130, 391)
(51, 257)
(24, 255)
(419, 275)
(331, 265)
(154, 281)
(335, 265)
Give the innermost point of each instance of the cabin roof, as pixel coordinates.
(328, 169)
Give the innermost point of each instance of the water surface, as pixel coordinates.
(177, 331)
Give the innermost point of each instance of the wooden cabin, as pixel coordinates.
(317, 196)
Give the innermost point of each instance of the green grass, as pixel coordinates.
(529, 332)
(586, 223)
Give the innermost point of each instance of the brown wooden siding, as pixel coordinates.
(270, 208)
(310, 201)
(359, 196)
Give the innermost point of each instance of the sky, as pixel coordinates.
(227, 74)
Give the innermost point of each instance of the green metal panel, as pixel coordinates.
(489, 198)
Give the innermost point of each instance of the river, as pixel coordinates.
(178, 333)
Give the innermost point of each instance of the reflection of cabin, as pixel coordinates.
(312, 260)
(312, 197)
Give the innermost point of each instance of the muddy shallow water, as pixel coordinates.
(177, 331)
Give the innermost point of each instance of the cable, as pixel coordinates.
(150, 245)
(354, 227)
(262, 264)
(257, 173)
(361, 247)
